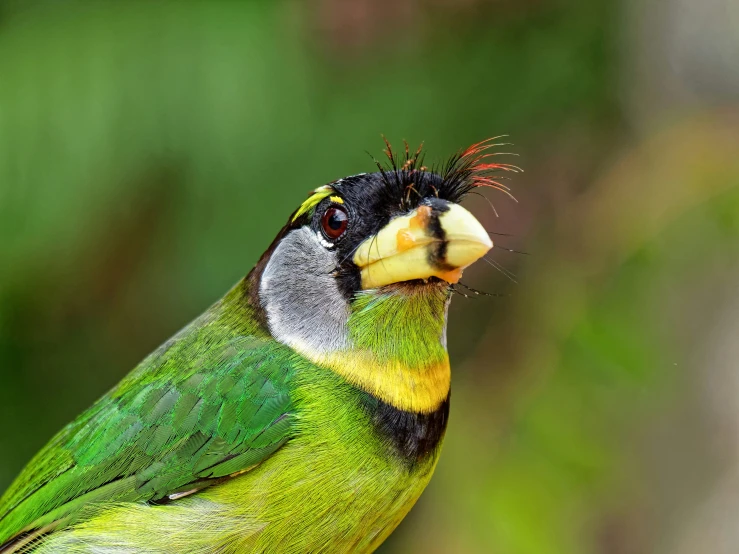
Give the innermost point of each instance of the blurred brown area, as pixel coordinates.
(595, 400)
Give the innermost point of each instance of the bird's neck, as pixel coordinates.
(389, 342)
(397, 347)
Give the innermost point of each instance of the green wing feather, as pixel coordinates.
(189, 416)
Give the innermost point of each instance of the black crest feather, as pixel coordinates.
(407, 178)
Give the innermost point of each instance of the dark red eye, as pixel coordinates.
(334, 222)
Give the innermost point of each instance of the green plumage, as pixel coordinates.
(217, 400)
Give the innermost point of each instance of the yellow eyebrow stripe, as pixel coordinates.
(312, 201)
(337, 199)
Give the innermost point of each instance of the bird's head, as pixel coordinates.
(360, 278)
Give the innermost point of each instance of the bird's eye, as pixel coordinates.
(334, 222)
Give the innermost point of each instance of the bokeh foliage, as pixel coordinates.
(149, 151)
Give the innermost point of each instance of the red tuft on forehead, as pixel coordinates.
(471, 168)
(473, 161)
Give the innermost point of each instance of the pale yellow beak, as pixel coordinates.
(431, 241)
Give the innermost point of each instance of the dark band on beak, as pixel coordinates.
(437, 239)
(437, 254)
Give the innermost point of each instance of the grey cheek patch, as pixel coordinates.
(305, 309)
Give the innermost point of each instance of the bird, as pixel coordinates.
(304, 412)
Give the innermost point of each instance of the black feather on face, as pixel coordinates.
(370, 201)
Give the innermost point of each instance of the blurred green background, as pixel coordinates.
(149, 152)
